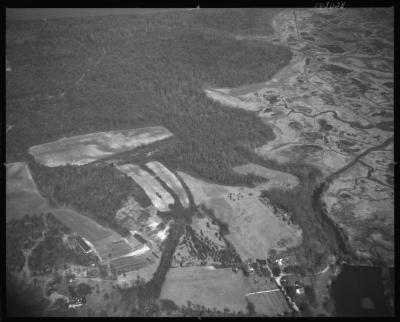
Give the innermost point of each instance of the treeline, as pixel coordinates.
(142, 298)
(202, 247)
(52, 253)
(153, 73)
(318, 236)
(97, 190)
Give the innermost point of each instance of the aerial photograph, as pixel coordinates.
(199, 162)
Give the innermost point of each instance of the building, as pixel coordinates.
(84, 246)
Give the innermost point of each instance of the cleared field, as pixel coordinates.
(253, 227)
(220, 289)
(160, 198)
(277, 179)
(271, 303)
(170, 180)
(22, 196)
(83, 149)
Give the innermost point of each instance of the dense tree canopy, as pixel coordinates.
(141, 70)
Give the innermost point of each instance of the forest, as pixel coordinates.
(49, 253)
(141, 70)
(96, 190)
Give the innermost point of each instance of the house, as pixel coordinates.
(299, 288)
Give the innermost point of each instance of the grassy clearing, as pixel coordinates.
(253, 229)
(87, 148)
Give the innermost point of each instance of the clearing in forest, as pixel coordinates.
(254, 229)
(83, 149)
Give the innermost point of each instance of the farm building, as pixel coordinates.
(85, 247)
(140, 238)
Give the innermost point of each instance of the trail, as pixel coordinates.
(260, 292)
(26, 272)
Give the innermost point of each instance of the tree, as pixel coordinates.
(84, 289)
(310, 294)
(251, 309)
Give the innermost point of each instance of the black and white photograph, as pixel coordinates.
(199, 162)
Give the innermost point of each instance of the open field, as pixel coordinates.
(22, 196)
(106, 242)
(253, 227)
(83, 149)
(170, 180)
(160, 198)
(217, 288)
(270, 303)
(276, 179)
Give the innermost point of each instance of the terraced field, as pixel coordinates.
(83, 149)
(170, 180)
(160, 198)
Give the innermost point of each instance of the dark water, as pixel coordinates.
(358, 291)
(54, 13)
